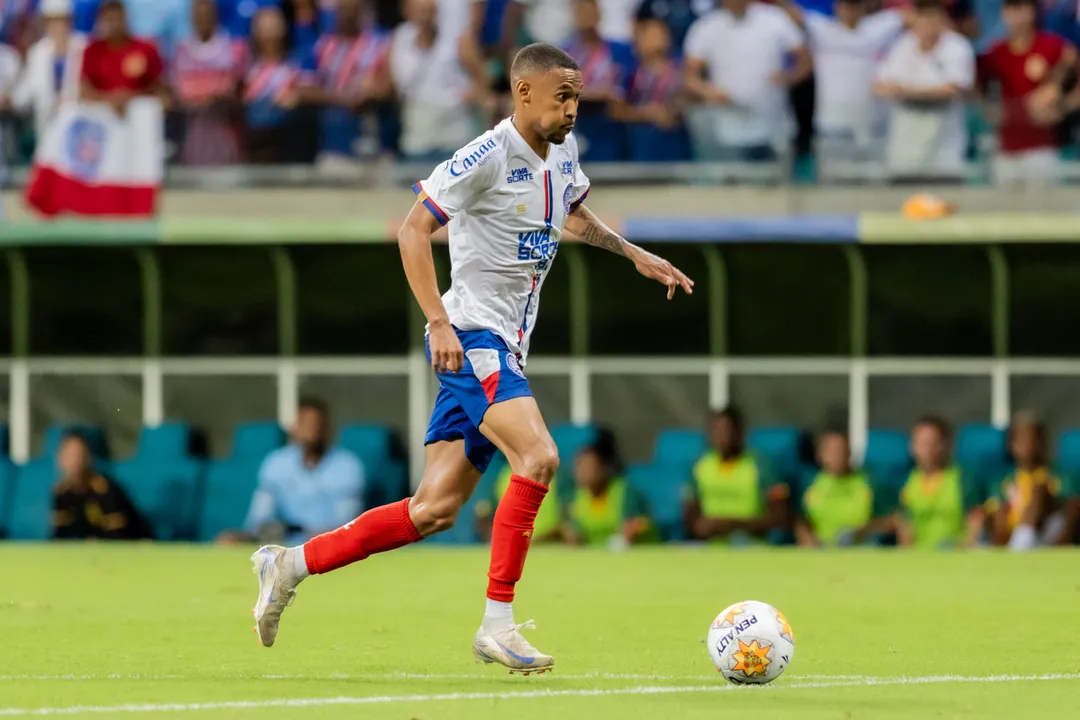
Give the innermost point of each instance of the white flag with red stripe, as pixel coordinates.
(91, 161)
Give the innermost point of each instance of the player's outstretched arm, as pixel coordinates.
(414, 241)
(590, 230)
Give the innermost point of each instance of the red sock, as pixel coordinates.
(511, 533)
(378, 530)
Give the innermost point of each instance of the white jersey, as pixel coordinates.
(506, 208)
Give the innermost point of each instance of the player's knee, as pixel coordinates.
(541, 463)
(434, 516)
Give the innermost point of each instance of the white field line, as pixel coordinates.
(377, 676)
(525, 694)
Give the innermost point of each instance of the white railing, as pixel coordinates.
(579, 373)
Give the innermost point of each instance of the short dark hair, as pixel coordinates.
(731, 413)
(938, 423)
(313, 403)
(75, 435)
(540, 58)
(834, 430)
(931, 5)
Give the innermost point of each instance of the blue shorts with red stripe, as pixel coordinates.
(491, 374)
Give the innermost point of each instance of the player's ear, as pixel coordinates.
(522, 89)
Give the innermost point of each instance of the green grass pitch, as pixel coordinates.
(154, 631)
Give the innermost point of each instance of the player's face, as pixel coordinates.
(724, 436)
(586, 15)
(551, 103)
(834, 454)
(653, 39)
(1025, 444)
(112, 22)
(928, 447)
(1018, 18)
(311, 429)
(928, 24)
(73, 458)
(848, 12)
(205, 17)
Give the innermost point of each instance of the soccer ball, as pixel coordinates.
(751, 643)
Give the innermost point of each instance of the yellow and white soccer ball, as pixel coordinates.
(751, 643)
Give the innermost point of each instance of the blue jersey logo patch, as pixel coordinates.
(566, 167)
(566, 198)
(477, 157)
(519, 175)
(85, 147)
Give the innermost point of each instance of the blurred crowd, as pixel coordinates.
(911, 85)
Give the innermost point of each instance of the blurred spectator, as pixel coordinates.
(434, 87)
(735, 495)
(458, 19)
(606, 509)
(926, 75)
(939, 505)
(604, 69)
(655, 100)
(271, 93)
(549, 21)
(678, 15)
(306, 24)
(1026, 507)
(960, 14)
(53, 66)
(86, 504)
(1029, 69)
(846, 50)
(163, 22)
(351, 75)
(17, 23)
(118, 67)
(737, 68)
(238, 16)
(10, 68)
(549, 521)
(305, 488)
(838, 506)
(207, 73)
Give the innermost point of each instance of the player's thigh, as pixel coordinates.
(448, 482)
(517, 428)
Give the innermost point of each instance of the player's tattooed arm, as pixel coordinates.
(583, 223)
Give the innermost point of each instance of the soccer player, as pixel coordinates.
(507, 197)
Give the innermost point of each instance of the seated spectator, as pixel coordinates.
(846, 49)
(351, 75)
(939, 506)
(605, 66)
(838, 506)
(53, 66)
(305, 488)
(654, 99)
(88, 505)
(271, 93)
(606, 509)
(17, 26)
(118, 67)
(207, 73)
(925, 76)
(1029, 69)
(549, 520)
(1026, 507)
(432, 79)
(737, 69)
(734, 495)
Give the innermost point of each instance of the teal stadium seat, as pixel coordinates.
(7, 488)
(781, 446)
(31, 501)
(163, 480)
(679, 448)
(981, 452)
(1068, 454)
(386, 476)
(229, 483)
(664, 489)
(888, 463)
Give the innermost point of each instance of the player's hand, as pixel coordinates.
(447, 355)
(657, 268)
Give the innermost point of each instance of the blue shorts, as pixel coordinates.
(491, 375)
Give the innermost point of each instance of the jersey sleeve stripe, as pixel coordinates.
(430, 204)
(577, 203)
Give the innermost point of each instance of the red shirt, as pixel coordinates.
(1019, 74)
(135, 65)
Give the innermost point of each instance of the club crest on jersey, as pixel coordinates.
(537, 245)
(519, 175)
(514, 365)
(566, 198)
(479, 156)
(566, 167)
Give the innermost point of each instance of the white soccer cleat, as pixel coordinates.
(510, 649)
(277, 590)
